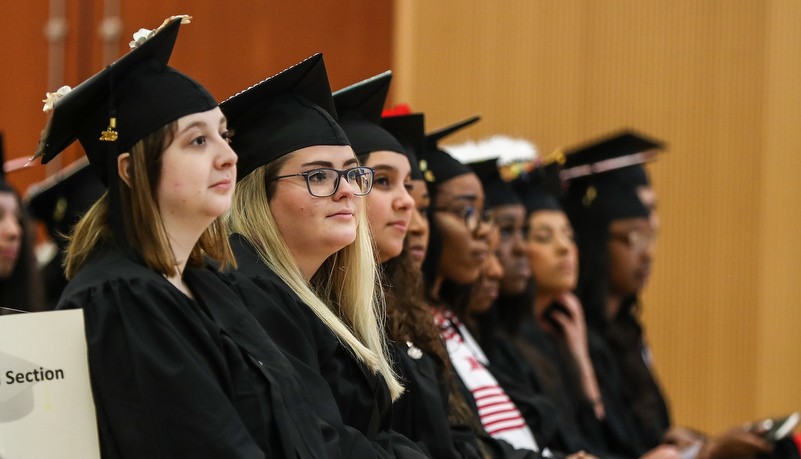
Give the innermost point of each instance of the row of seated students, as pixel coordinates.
(291, 274)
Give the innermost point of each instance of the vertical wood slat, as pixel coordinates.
(694, 74)
(227, 48)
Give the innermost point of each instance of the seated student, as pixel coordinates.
(432, 409)
(481, 313)
(20, 282)
(300, 236)
(421, 413)
(59, 202)
(614, 233)
(178, 366)
(457, 250)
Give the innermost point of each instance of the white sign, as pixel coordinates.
(46, 407)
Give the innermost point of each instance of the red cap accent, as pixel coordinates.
(398, 110)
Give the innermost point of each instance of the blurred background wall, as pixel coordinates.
(717, 79)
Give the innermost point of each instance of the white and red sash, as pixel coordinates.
(499, 415)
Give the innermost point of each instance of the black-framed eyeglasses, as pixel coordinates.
(473, 219)
(324, 182)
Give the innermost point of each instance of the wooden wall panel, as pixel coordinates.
(779, 362)
(694, 74)
(228, 47)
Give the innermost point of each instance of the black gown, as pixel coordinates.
(347, 391)
(529, 362)
(421, 413)
(177, 377)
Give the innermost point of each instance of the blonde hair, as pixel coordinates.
(343, 293)
(144, 227)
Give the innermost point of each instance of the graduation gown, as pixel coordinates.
(421, 413)
(349, 396)
(532, 356)
(177, 377)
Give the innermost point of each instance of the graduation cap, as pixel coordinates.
(122, 104)
(359, 108)
(61, 200)
(410, 131)
(284, 113)
(442, 166)
(601, 179)
(483, 159)
(616, 157)
(540, 188)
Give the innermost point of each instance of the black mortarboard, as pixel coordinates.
(483, 158)
(540, 188)
(604, 175)
(140, 90)
(617, 157)
(61, 200)
(4, 186)
(441, 165)
(497, 192)
(411, 133)
(284, 113)
(359, 108)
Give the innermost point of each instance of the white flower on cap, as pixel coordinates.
(143, 35)
(51, 98)
(509, 150)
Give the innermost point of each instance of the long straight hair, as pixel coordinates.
(344, 292)
(142, 217)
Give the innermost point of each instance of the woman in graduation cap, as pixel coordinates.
(178, 366)
(431, 411)
(20, 281)
(457, 251)
(389, 146)
(300, 235)
(493, 295)
(611, 209)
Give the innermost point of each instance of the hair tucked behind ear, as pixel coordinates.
(344, 293)
(144, 226)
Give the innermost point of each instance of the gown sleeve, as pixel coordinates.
(159, 377)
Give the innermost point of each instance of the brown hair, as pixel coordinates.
(144, 227)
(409, 318)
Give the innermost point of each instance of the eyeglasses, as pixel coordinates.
(471, 216)
(635, 239)
(324, 182)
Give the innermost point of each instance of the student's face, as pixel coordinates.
(512, 248)
(630, 254)
(389, 205)
(552, 252)
(463, 251)
(485, 290)
(416, 242)
(316, 227)
(10, 233)
(198, 169)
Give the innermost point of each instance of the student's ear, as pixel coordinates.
(123, 165)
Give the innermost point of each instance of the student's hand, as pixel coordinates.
(682, 438)
(662, 452)
(573, 325)
(738, 442)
